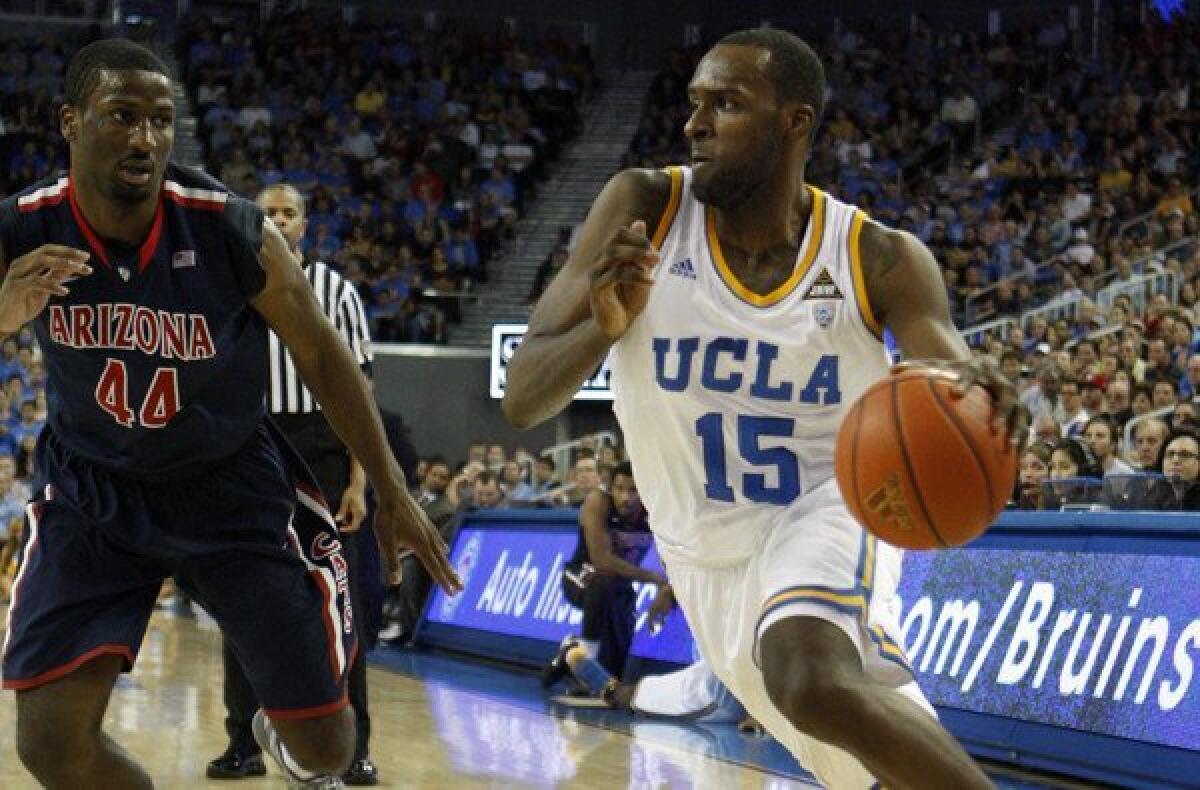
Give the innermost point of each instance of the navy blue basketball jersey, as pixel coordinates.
(156, 363)
(630, 540)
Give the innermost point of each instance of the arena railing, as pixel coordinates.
(971, 306)
(1060, 307)
(1096, 334)
(1144, 219)
(561, 453)
(1160, 255)
(1139, 289)
(974, 335)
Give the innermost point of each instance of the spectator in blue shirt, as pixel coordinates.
(462, 253)
(219, 112)
(501, 187)
(515, 487)
(28, 425)
(14, 494)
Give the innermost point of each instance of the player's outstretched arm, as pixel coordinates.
(905, 288)
(329, 369)
(592, 301)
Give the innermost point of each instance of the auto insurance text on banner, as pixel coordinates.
(512, 585)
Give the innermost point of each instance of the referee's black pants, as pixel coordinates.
(326, 456)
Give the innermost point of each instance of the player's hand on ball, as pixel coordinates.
(983, 371)
(35, 277)
(401, 523)
(621, 279)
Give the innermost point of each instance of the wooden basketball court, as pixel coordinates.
(433, 733)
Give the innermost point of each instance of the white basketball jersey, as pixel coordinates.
(730, 401)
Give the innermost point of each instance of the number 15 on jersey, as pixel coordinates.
(750, 431)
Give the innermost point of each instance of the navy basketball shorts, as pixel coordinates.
(251, 540)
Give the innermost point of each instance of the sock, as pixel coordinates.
(587, 670)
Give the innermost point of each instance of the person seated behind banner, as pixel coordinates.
(1170, 483)
(614, 537)
(1034, 469)
(1076, 478)
(517, 492)
(584, 478)
(1179, 464)
(404, 602)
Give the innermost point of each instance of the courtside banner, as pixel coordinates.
(506, 338)
(1061, 641)
(1104, 643)
(512, 577)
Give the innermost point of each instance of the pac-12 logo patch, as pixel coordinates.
(824, 315)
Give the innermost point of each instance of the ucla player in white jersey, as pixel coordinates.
(744, 310)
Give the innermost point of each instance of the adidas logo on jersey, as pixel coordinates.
(683, 268)
(823, 287)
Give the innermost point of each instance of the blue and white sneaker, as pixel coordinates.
(557, 669)
(297, 777)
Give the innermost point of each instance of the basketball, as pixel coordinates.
(920, 468)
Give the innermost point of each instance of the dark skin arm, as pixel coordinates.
(32, 279)
(592, 517)
(330, 371)
(592, 301)
(906, 291)
(663, 603)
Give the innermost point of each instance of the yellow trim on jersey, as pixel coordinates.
(855, 600)
(817, 225)
(664, 223)
(886, 645)
(860, 282)
(868, 575)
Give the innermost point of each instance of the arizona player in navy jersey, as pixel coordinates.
(151, 290)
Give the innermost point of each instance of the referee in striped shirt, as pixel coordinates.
(342, 479)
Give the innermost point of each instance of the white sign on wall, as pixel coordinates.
(506, 338)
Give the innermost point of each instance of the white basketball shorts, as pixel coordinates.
(815, 560)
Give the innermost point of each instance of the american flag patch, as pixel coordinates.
(183, 259)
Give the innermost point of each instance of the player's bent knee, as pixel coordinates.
(58, 724)
(812, 677)
(48, 750)
(323, 745)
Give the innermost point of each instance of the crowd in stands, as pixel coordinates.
(1076, 453)
(1071, 147)
(31, 73)
(1116, 411)
(22, 415)
(416, 149)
